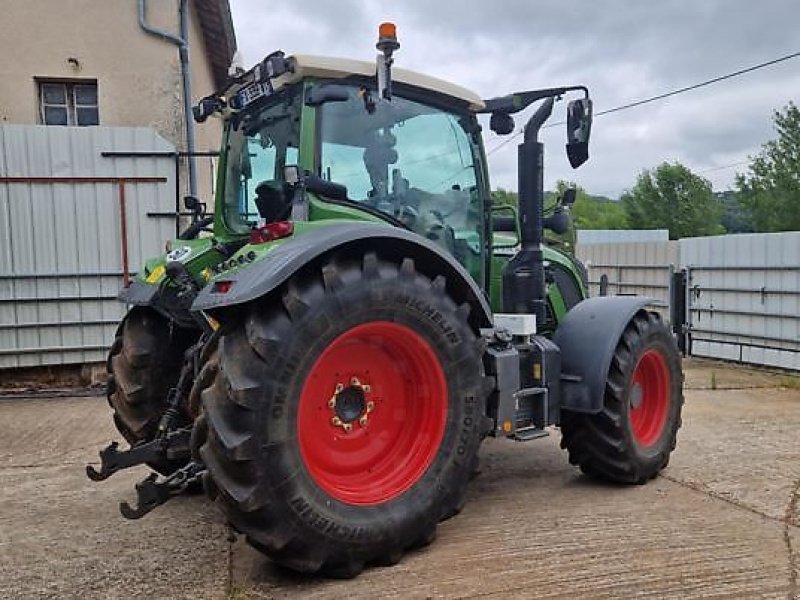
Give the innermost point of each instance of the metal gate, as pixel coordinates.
(748, 321)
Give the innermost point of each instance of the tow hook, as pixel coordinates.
(152, 492)
(173, 446)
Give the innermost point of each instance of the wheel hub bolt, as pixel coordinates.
(350, 405)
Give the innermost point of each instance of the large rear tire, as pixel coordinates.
(143, 364)
(631, 439)
(345, 416)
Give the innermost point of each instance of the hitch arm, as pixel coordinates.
(152, 493)
(175, 445)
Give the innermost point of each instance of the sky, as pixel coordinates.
(623, 50)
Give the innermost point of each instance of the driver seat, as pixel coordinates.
(271, 201)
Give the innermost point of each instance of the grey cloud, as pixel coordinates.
(623, 50)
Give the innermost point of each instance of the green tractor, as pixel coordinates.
(329, 356)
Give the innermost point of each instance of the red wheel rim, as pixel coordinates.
(393, 370)
(649, 398)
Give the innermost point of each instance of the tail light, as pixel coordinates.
(271, 231)
(221, 287)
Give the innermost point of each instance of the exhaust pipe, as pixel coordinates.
(523, 278)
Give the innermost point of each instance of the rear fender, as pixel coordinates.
(264, 277)
(587, 338)
(163, 299)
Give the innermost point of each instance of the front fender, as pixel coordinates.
(587, 338)
(265, 276)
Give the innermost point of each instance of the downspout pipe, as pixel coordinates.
(182, 42)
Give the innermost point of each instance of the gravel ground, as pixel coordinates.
(722, 521)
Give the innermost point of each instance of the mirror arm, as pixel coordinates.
(513, 103)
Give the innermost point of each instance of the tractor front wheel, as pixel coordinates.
(345, 416)
(631, 439)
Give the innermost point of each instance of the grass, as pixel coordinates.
(235, 593)
(791, 382)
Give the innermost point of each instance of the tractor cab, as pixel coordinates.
(310, 140)
(414, 162)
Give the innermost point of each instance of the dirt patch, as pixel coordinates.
(31, 380)
(706, 374)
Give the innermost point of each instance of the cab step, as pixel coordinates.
(526, 434)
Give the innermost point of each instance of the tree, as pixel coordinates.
(672, 197)
(770, 192)
(735, 219)
(504, 197)
(588, 212)
(593, 212)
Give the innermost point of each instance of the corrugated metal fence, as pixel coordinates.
(744, 297)
(64, 213)
(640, 268)
(743, 291)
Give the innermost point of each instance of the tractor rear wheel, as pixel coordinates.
(143, 364)
(631, 439)
(345, 416)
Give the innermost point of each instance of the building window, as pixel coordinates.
(68, 103)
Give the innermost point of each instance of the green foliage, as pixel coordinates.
(501, 197)
(594, 212)
(770, 192)
(588, 212)
(735, 219)
(672, 197)
(591, 212)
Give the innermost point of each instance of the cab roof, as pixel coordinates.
(339, 68)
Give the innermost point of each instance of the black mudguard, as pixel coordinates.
(164, 300)
(138, 294)
(587, 338)
(392, 243)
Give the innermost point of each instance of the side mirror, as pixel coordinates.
(558, 222)
(193, 204)
(327, 93)
(568, 199)
(504, 223)
(501, 123)
(505, 228)
(579, 127)
(206, 107)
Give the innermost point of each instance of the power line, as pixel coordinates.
(730, 166)
(675, 92)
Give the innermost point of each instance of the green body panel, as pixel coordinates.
(221, 230)
(551, 255)
(319, 210)
(200, 256)
(308, 133)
